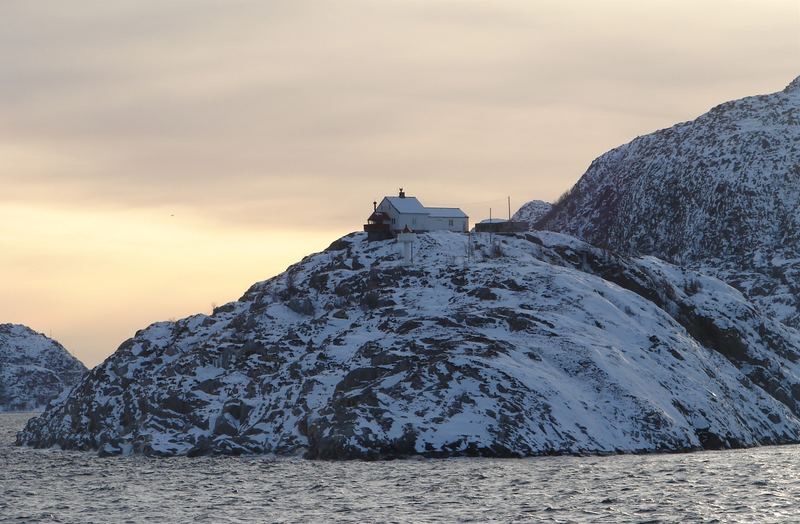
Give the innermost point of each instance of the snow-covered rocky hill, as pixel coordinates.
(720, 193)
(34, 369)
(531, 212)
(537, 344)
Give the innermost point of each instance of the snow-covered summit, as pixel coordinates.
(34, 369)
(531, 212)
(537, 343)
(793, 87)
(719, 193)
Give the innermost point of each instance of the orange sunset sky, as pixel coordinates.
(159, 157)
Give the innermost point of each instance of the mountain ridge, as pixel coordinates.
(718, 194)
(537, 344)
(676, 331)
(531, 212)
(34, 369)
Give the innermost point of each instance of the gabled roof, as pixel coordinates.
(412, 206)
(408, 205)
(445, 212)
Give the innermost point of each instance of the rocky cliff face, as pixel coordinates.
(34, 369)
(719, 193)
(531, 212)
(539, 344)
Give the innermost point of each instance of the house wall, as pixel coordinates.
(414, 222)
(401, 220)
(385, 207)
(441, 223)
(420, 222)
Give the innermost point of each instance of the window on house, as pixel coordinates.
(450, 222)
(392, 221)
(414, 221)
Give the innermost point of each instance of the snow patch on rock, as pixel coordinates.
(718, 194)
(34, 369)
(531, 212)
(541, 344)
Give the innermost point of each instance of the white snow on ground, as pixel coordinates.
(540, 344)
(531, 212)
(34, 369)
(718, 194)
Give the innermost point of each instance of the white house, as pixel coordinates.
(404, 211)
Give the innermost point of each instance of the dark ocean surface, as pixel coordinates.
(757, 485)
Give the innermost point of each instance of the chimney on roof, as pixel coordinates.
(402, 193)
(374, 205)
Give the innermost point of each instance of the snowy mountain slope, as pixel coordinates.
(719, 193)
(34, 369)
(531, 212)
(713, 313)
(541, 344)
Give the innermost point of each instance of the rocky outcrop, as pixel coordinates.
(541, 344)
(718, 194)
(531, 212)
(34, 369)
(712, 312)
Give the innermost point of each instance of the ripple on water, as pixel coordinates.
(744, 485)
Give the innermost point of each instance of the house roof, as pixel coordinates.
(493, 221)
(412, 206)
(378, 216)
(445, 212)
(407, 205)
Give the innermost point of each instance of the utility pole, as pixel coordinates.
(491, 238)
(469, 247)
(509, 208)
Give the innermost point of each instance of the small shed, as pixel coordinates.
(500, 225)
(378, 226)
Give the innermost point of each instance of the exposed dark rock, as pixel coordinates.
(557, 347)
(34, 369)
(718, 194)
(483, 293)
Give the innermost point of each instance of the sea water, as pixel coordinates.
(756, 485)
